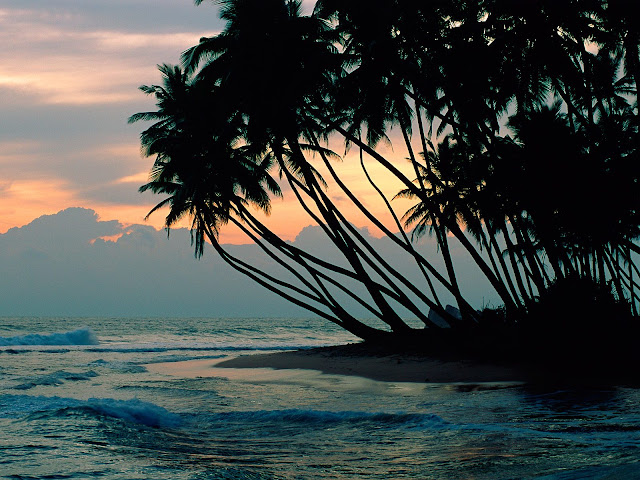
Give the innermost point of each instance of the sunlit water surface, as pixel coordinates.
(80, 398)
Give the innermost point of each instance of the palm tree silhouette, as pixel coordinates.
(519, 121)
(198, 161)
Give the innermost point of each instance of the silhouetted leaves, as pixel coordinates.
(526, 114)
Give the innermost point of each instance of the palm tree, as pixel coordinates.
(199, 163)
(297, 62)
(623, 39)
(212, 175)
(512, 94)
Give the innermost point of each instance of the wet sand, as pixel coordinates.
(379, 365)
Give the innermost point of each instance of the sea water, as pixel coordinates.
(80, 399)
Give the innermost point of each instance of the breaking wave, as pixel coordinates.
(81, 336)
(133, 411)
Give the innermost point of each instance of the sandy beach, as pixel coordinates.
(357, 360)
(353, 360)
(380, 364)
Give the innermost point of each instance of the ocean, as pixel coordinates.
(84, 398)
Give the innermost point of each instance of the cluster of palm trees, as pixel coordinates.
(519, 121)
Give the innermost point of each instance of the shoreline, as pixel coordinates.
(381, 365)
(384, 364)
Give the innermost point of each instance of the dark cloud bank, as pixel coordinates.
(59, 265)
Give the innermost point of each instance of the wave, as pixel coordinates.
(195, 348)
(151, 348)
(596, 472)
(133, 411)
(86, 338)
(321, 417)
(20, 351)
(56, 378)
(81, 336)
(122, 367)
(184, 358)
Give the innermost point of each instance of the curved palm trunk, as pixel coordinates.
(441, 236)
(499, 287)
(322, 294)
(514, 265)
(413, 252)
(406, 246)
(614, 273)
(382, 267)
(628, 282)
(490, 246)
(539, 275)
(344, 243)
(303, 257)
(419, 258)
(554, 257)
(466, 314)
(631, 247)
(519, 250)
(601, 273)
(423, 140)
(345, 321)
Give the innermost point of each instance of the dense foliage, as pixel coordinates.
(519, 121)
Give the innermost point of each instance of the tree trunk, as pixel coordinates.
(344, 242)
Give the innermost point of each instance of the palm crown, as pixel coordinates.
(519, 120)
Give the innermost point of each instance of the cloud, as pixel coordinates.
(68, 65)
(69, 264)
(73, 263)
(69, 78)
(5, 185)
(124, 15)
(138, 178)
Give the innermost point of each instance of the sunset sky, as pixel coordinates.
(69, 78)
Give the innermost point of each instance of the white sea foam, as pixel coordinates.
(134, 410)
(81, 336)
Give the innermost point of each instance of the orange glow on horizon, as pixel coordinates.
(25, 200)
(77, 72)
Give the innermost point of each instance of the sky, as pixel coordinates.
(73, 263)
(69, 73)
(69, 77)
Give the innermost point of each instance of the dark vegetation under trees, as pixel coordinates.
(519, 121)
